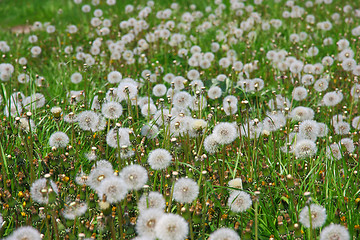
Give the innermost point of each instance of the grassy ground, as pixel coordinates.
(279, 183)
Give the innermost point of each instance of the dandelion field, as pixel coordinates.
(176, 120)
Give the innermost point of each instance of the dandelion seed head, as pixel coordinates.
(26, 124)
(147, 221)
(112, 110)
(309, 129)
(118, 137)
(102, 171)
(114, 188)
(224, 133)
(88, 120)
(305, 148)
(214, 92)
(76, 78)
(239, 201)
(135, 176)
(356, 122)
(149, 131)
(323, 129)
(321, 85)
(299, 93)
(224, 234)
(36, 100)
(154, 200)
(25, 233)
(159, 90)
(302, 113)
(342, 128)
(355, 91)
(334, 232)
(182, 99)
(186, 190)
(348, 143)
(171, 226)
(40, 190)
(331, 99)
(74, 209)
(148, 109)
(318, 216)
(70, 118)
(58, 140)
(333, 151)
(159, 159)
(210, 144)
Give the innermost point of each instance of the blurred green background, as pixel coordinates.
(22, 12)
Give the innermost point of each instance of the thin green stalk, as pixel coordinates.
(55, 227)
(220, 172)
(107, 145)
(202, 141)
(120, 220)
(47, 233)
(256, 220)
(155, 179)
(28, 151)
(4, 165)
(191, 229)
(112, 227)
(310, 228)
(204, 213)
(171, 196)
(118, 149)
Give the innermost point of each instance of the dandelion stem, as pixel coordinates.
(171, 196)
(203, 209)
(256, 219)
(107, 145)
(310, 228)
(118, 149)
(202, 141)
(155, 179)
(4, 165)
(74, 227)
(120, 219)
(220, 173)
(191, 229)
(47, 233)
(29, 153)
(54, 223)
(112, 227)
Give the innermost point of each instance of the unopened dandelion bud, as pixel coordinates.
(101, 95)
(56, 111)
(265, 132)
(73, 99)
(105, 207)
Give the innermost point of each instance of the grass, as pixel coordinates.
(279, 183)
